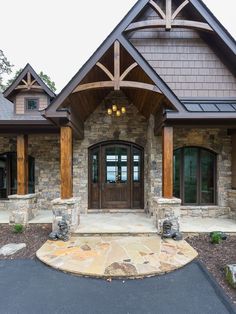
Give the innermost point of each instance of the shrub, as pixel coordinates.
(18, 228)
(217, 236)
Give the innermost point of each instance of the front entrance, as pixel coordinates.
(116, 176)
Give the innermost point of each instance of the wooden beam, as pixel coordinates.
(107, 84)
(161, 24)
(22, 164)
(157, 9)
(117, 65)
(167, 162)
(179, 9)
(168, 14)
(128, 70)
(66, 163)
(105, 70)
(94, 85)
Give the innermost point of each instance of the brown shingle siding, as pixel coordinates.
(186, 63)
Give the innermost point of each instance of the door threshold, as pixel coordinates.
(113, 211)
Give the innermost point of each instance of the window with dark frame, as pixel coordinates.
(195, 176)
(31, 104)
(8, 174)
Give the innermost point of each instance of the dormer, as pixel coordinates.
(29, 93)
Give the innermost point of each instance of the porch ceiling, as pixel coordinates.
(97, 84)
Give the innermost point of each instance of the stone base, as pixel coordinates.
(68, 208)
(205, 212)
(22, 208)
(165, 208)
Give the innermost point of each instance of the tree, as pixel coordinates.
(47, 80)
(5, 67)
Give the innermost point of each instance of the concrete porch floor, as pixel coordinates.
(133, 223)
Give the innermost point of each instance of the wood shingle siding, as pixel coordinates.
(185, 62)
(20, 101)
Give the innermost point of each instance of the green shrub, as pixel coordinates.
(217, 236)
(18, 228)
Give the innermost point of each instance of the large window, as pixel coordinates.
(195, 176)
(8, 175)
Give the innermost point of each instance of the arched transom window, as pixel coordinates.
(195, 176)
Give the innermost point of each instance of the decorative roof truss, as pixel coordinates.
(117, 79)
(168, 19)
(28, 83)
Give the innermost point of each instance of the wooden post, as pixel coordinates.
(168, 14)
(66, 163)
(167, 162)
(22, 164)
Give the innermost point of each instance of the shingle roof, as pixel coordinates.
(7, 112)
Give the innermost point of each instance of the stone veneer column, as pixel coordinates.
(69, 208)
(232, 203)
(23, 208)
(166, 208)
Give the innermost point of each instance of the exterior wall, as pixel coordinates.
(101, 127)
(184, 61)
(20, 101)
(46, 151)
(218, 141)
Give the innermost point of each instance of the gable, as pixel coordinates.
(27, 80)
(180, 46)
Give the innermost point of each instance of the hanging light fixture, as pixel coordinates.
(116, 104)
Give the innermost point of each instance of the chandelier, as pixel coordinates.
(116, 110)
(116, 104)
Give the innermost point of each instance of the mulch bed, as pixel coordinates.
(33, 236)
(215, 257)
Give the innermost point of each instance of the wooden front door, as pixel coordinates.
(116, 176)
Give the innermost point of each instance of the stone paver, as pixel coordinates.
(202, 225)
(116, 223)
(131, 257)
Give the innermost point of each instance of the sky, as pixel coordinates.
(58, 36)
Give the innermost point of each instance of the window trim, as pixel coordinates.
(26, 104)
(199, 176)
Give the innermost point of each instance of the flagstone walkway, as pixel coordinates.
(117, 257)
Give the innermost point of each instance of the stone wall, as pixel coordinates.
(100, 127)
(46, 151)
(153, 171)
(232, 203)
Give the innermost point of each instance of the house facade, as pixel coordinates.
(147, 124)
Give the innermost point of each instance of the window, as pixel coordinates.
(31, 104)
(195, 176)
(8, 175)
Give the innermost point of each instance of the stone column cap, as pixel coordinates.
(169, 201)
(69, 201)
(22, 197)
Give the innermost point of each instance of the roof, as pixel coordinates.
(119, 34)
(28, 69)
(7, 112)
(211, 106)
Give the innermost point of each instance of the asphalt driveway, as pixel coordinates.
(27, 286)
